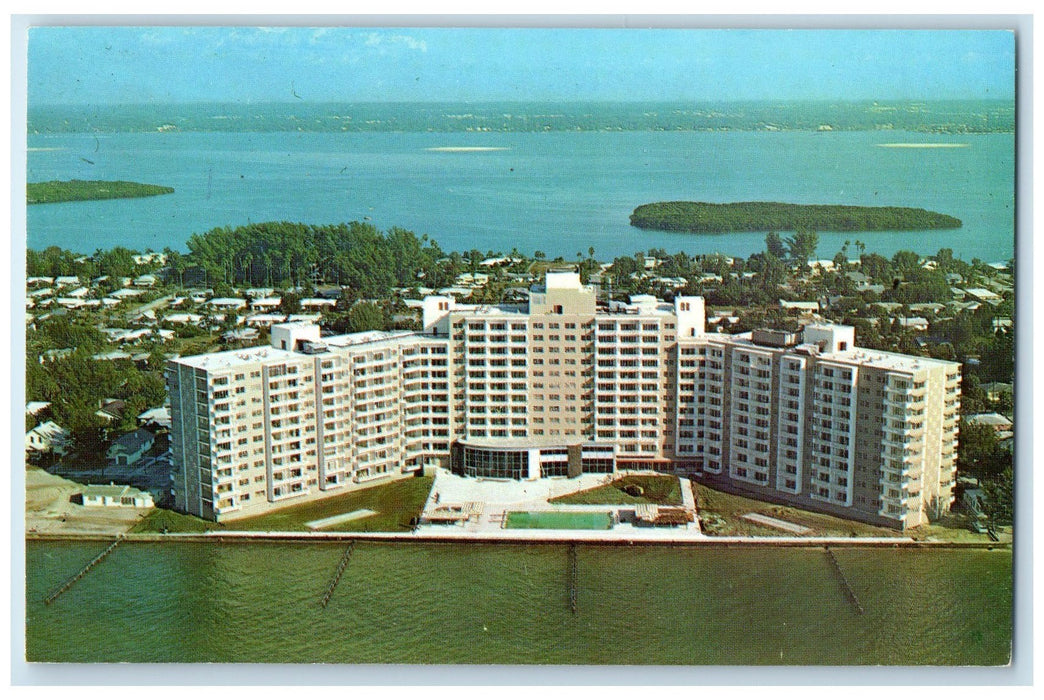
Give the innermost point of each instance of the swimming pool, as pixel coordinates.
(558, 520)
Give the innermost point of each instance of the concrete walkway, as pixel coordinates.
(631, 535)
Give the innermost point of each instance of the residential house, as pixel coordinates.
(155, 417)
(48, 437)
(999, 423)
(129, 448)
(112, 409)
(116, 496)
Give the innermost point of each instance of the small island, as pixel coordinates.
(82, 190)
(705, 217)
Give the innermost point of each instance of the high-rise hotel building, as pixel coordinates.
(564, 386)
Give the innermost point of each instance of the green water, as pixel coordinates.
(548, 520)
(510, 604)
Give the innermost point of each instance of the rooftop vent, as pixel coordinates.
(311, 348)
(774, 338)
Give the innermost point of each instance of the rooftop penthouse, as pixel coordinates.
(564, 386)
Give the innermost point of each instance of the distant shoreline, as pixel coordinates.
(922, 145)
(931, 117)
(466, 149)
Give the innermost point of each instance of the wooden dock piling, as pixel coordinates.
(341, 566)
(844, 582)
(574, 577)
(83, 572)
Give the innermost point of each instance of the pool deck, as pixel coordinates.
(489, 500)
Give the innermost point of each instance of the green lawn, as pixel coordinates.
(722, 513)
(956, 527)
(396, 503)
(162, 520)
(662, 490)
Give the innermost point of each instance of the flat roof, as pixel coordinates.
(375, 338)
(491, 309)
(110, 490)
(857, 356)
(267, 353)
(235, 358)
(881, 359)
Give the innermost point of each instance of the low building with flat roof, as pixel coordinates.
(116, 496)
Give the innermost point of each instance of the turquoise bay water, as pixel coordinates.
(556, 192)
(510, 604)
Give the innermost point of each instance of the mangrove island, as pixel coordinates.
(81, 190)
(705, 217)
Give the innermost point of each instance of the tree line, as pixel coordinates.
(285, 254)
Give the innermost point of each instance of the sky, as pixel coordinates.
(123, 65)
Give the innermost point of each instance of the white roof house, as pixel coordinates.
(318, 303)
(227, 303)
(994, 420)
(306, 318)
(468, 279)
(116, 496)
(160, 416)
(183, 318)
(916, 323)
(241, 334)
(984, 295)
(112, 356)
(258, 292)
(455, 291)
(69, 302)
(266, 303)
(146, 258)
(47, 437)
(127, 293)
(127, 335)
(34, 407)
(259, 320)
(803, 306)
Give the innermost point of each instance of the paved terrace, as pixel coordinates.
(487, 502)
